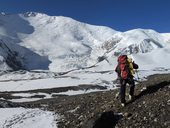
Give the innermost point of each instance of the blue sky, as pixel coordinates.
(121, 15)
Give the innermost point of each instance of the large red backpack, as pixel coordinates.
(123, 67)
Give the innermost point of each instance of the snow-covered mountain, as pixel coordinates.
(38, 41)
(50, 42)
(136, 41)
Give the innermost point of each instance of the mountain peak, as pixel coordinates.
(140, 31)
(32, 14)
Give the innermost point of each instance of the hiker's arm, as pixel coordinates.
(135, 66)
(117, 70)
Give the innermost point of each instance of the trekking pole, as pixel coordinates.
(137, 74)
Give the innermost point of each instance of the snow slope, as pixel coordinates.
(148, 48)
(166, 37)
(51, 42)
(137, 41)
(26, 118)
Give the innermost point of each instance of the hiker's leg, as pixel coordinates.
(122, 91)
(132, 87)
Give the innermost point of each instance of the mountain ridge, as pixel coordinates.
(69, 44)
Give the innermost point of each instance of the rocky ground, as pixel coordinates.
(149, 109)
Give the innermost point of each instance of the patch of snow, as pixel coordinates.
(20, 100)
(27, 118)
(71, 92)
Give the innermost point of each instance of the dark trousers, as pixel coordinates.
(123, 88)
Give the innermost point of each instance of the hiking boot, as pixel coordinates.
(123, 104)
(131, 97)
(117, 95)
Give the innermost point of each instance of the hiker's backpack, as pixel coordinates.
(123, 67)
